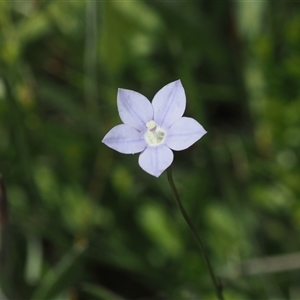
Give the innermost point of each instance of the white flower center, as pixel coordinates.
(155, 135)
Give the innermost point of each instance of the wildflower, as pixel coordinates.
(153, 128)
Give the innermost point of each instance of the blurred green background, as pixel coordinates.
(86, 222)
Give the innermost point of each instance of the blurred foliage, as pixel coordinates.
(85, 222)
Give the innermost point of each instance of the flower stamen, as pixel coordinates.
(155, 135)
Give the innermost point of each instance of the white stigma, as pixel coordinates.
(151, 125)
(155, 135)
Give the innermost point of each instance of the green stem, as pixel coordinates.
(217, 285)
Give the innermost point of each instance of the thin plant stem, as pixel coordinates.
(217, 285)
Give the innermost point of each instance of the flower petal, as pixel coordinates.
(154, 160)
(169, 104)
(184, 133)
(125, 139)
(134, 109)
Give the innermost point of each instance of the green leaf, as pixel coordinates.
(59, 278)
(99, 292)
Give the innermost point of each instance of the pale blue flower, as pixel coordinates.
(153, 128)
